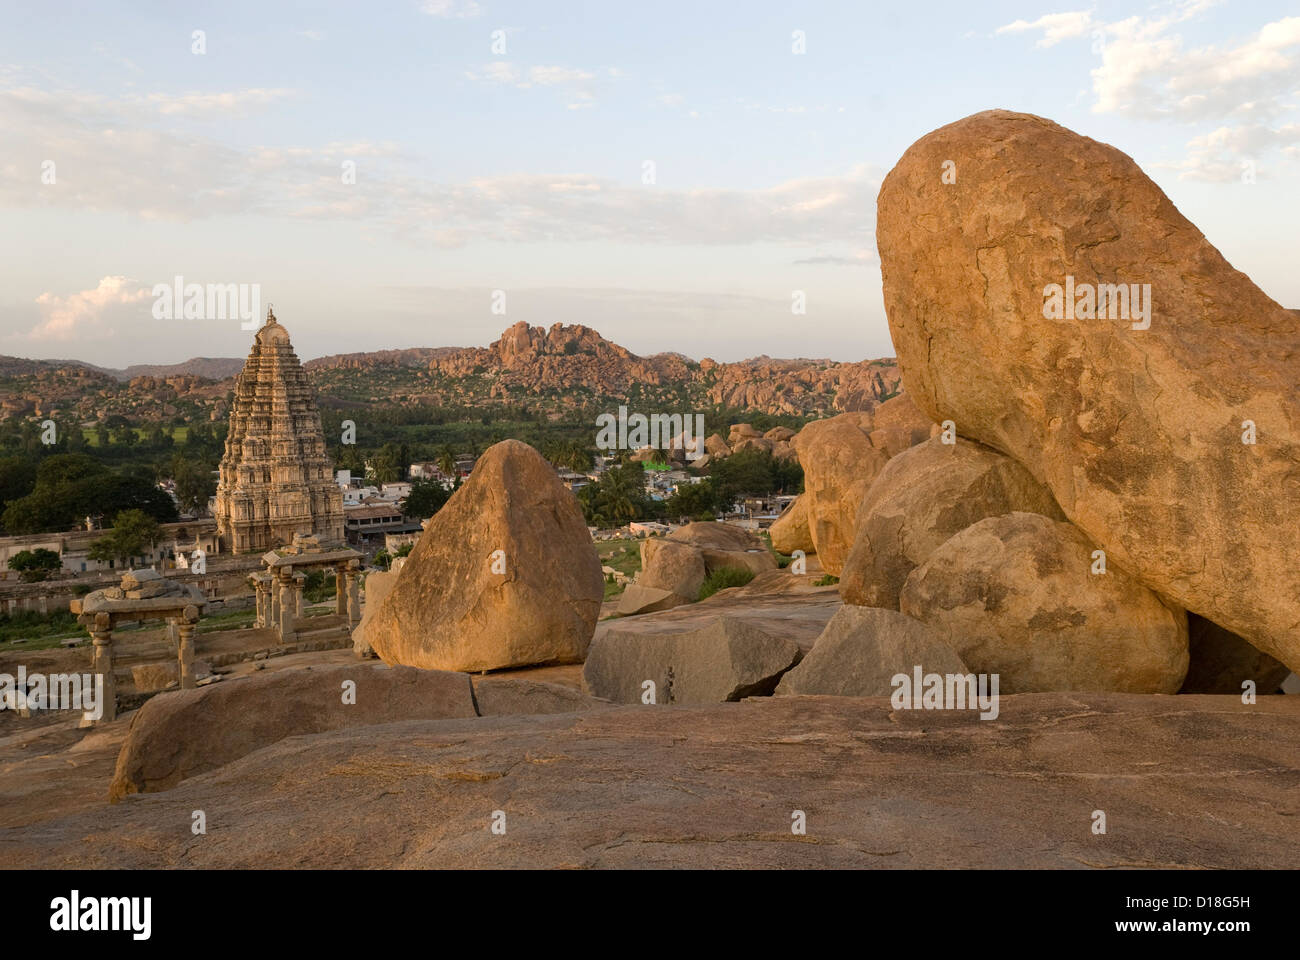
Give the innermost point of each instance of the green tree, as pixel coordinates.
(425, 499)
(195, 484)
(133, 531)
(35, 565)
(616, 498)
(71, 486)
(697, 501)
(447, 460)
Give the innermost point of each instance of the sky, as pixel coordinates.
(428, 172)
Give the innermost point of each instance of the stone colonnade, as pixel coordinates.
(280, 597)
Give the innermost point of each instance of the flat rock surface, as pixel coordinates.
(1188, 781)
(798, 611)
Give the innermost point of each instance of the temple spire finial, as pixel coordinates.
(270, 313)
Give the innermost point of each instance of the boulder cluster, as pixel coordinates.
(674, 568)
(1100, 477)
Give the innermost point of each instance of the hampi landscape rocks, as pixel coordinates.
(504, 576)
(1135, 425)
(1066, 505)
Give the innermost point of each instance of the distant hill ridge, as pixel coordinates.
(560, 368)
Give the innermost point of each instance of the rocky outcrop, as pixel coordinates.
(790, 531)
(709, 786)
(496, 696)
(1135, 421)
(839, 463)
(178, 735)
(728, 659)
(862, 649)
(673, 568)
(379, 584)
(920, 499)
(1015, 595)
(504, 575)
(897, 425)
(670, 565)
(636, 598)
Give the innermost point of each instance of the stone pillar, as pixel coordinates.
(340, 589)
(101, 635)
(287, 605)
(273, 602)
(257, 601)
(173, 636)
(354, 596)
(299, 583)
(186, 628)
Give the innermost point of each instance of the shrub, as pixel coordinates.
(724, 578)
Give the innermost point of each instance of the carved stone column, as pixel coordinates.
(259, 602)
(287, 605)
(299, 582)
(354, 596)
(340, 588)
(101, 635)
(273, 603)
(186, 627)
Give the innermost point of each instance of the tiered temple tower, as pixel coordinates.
(276, 478)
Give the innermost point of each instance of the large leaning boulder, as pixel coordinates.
(790, 531)
(1016, 596)
(728, 659)
(504, 575)
(862, 649)
(379, 584)
(839, 463)
(1136, 421)
(919, 500)
(188, 732)
(673, 566)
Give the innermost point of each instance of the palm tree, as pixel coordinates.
(446, 460)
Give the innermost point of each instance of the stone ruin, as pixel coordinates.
(140, 595)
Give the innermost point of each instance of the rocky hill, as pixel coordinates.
(560, 369)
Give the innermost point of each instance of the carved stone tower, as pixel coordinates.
(276, 478)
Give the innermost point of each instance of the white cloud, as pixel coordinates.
(1146, 72)
(215, 104)
(86, 314)
(575, 84)
(108, 161)
(452, 9)
(1246, 86)
(1055, 27)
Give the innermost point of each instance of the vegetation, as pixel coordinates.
(40, 630)
(35, 565)
(619, 497)
(426, 498)
(385, 559)
(72, 486)
(724, 578)
(133, 531)
(826, 581)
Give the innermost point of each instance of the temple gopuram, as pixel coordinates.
(276, 478)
